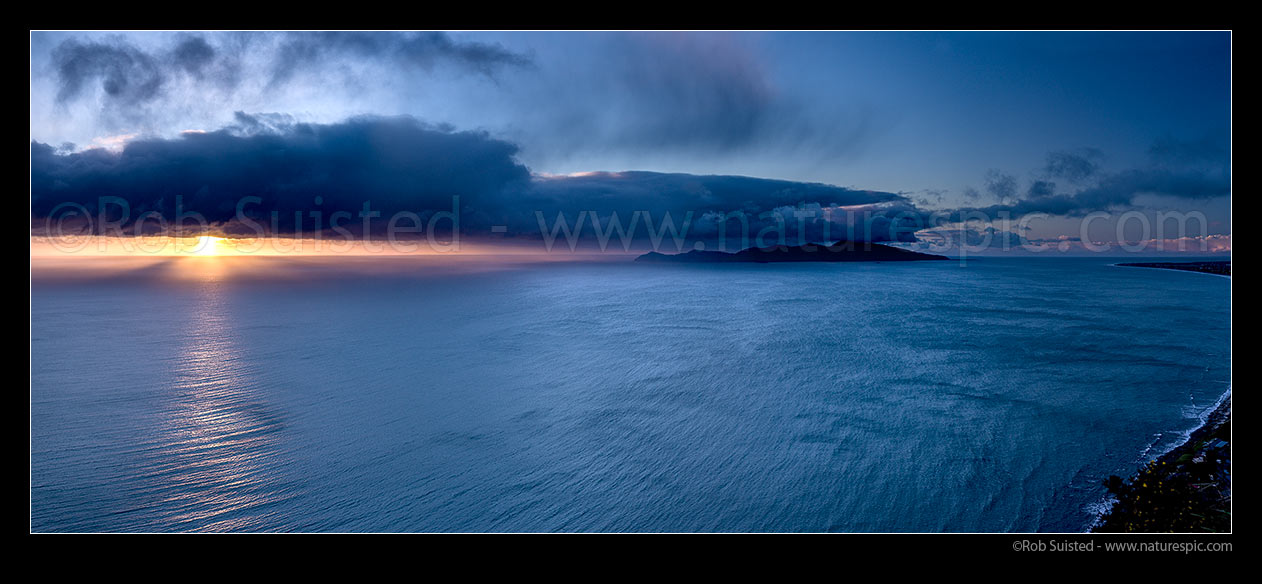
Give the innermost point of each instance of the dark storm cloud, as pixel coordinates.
(126, 74)
(402, 165)
(662, 192)
(696, 94)
(1118, 191)
(129, 75)
(193, 54)
(683, 91)
(1002, 187)
(604, 97)
(399, 164)
(1041, 188)
(1192, 170)
(715, 206)
(1072, 165)
(396, 164)
(308, 50)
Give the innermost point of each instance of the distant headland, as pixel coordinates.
(842, 251)
(1218, 268)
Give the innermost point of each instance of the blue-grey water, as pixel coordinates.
(615, 396)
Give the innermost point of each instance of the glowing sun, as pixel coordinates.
(207, 245)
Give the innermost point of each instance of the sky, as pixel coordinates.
(912, 123)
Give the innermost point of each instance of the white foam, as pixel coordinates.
(1100, 508)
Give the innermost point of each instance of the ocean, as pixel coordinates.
(393, 395)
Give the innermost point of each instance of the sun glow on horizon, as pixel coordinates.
(207, 245)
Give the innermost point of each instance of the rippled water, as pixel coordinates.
(612, 396)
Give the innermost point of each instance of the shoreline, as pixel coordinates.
(1186, 489)
(1213, 268)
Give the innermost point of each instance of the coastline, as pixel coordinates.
(1186, 489)
(1213, 268)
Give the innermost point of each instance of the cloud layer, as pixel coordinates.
(297, 176)
(1073, 184)
(129, 75)
(645, 98)
(287, 177)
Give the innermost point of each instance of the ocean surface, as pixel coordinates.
(266, 394)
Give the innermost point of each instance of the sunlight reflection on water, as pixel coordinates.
(213, 453)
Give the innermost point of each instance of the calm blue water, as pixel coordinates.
(614, 396)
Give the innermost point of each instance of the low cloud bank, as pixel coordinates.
(267, 174)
